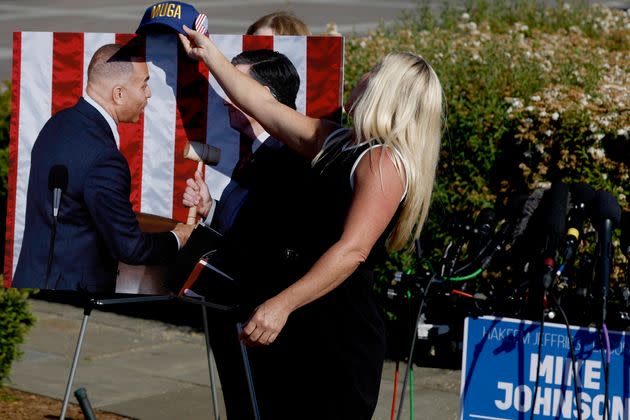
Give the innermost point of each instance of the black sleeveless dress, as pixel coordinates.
(326, 363)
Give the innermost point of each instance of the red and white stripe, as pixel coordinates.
(50, 74)
(201, 24)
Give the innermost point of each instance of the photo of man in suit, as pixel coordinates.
(267, 169)
(75, 243)
(252, 214)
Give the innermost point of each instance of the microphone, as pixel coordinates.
(555, 218)
(482, 229)
(514, 213)
(460, 228)
(418, 248)
(547, 232)
(504, 235)
(485, 222)
(526, 211)
(606, 215)
(555, 223)
(581, 196)
(57, 183)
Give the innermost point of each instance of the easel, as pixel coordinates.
(91, 303)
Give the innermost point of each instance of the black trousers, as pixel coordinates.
(225, 345)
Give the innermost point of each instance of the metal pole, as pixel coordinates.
(75, 361)
(213, 386)
(248, 373)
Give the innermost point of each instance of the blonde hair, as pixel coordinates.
(281, 23)
(402, 109)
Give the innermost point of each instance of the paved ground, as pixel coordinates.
(147, 369)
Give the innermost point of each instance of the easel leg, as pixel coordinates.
(75, 361)
(213, 386)
(248, 373)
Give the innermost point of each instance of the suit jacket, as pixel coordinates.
(264, 233)
(256, 215)
(260, 172)
(96, 226)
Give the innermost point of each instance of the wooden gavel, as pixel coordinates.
(201, 153)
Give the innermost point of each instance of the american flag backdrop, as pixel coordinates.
(49, 74)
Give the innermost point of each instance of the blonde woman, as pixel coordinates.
(319, 343)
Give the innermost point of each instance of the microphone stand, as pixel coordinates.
(603, 265)
(603, 270)
(51, 250)
(412, 347)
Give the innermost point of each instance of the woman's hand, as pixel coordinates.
(195, 44)
(197, 194)
(266, 322)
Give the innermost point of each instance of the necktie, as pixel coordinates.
(245, 156)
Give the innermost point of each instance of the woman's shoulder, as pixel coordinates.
(380, 158)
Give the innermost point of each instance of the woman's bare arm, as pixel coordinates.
(303, 134)
(375, 201)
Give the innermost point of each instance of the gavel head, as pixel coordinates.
(202, 152)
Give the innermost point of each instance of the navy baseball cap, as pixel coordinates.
(173, 14)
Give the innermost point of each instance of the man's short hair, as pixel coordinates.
(274, 70)
(113, 61)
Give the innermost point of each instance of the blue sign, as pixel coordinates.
(501, 362)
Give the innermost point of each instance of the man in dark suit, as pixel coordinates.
(79, 249)
(252, 215)
(252, 212)
(265, 163)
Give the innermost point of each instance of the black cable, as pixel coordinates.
(572, 353)
(412, 347)
(492, 245)
(606, 376)
(540, 340)
(477, 260)
(458, 249)
(603, 353)
(606, 388)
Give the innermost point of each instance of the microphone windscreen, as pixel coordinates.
(525, 211)
(581, 193)
(555, 217)
(514, 207)
(532, 203)
(557, 208)
(512, 214)
(486, 221)
(605, 206)
(58, 177)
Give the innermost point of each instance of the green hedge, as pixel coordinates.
(5, 121)
(534, 94)
(15, 321)
(15, 317)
